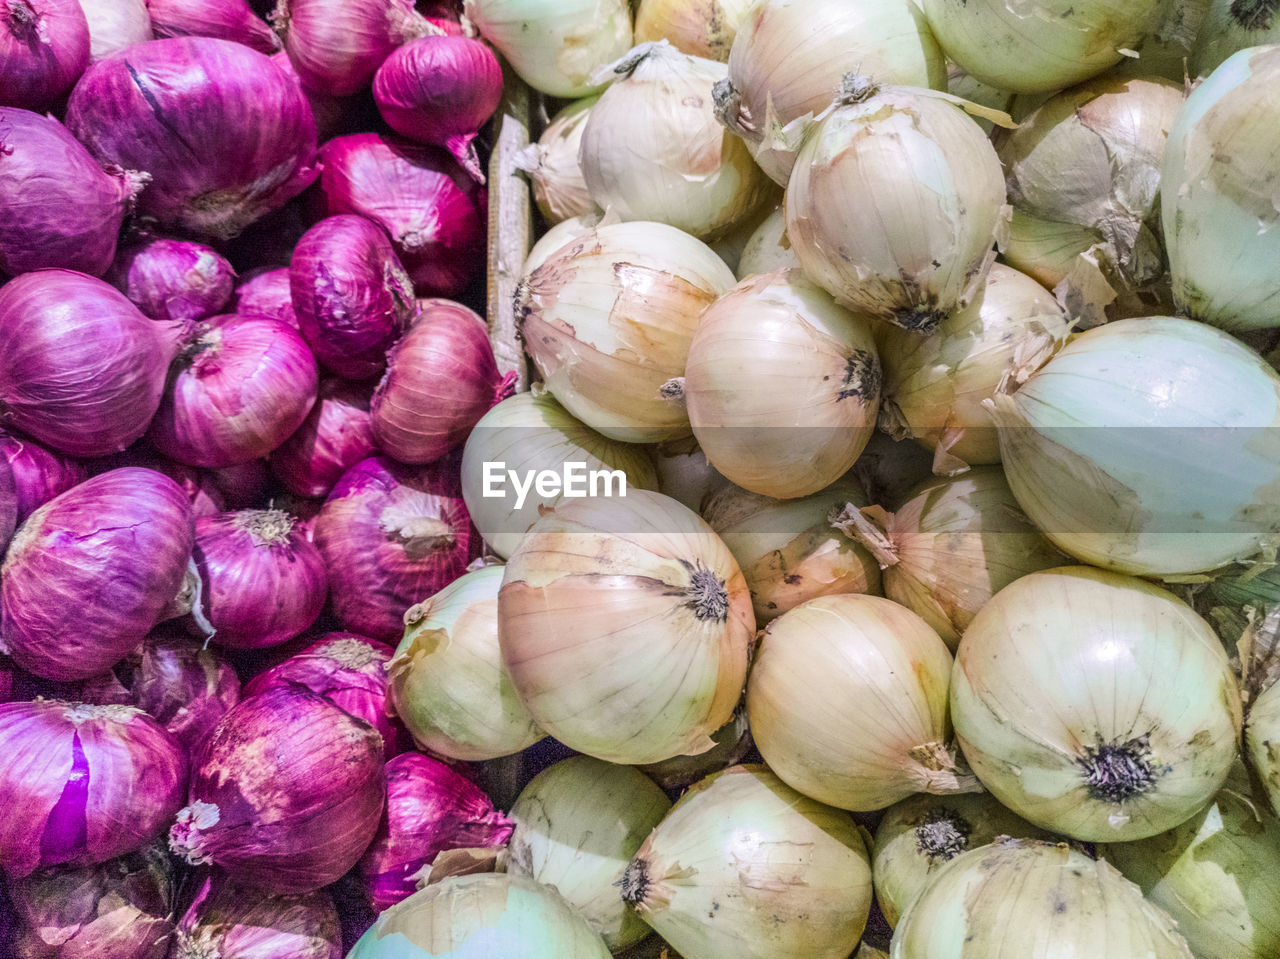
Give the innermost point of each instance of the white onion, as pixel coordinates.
(1045, 250)
(702, 29)
(767, 249)
(1262, 734)
(557, 237)
(552, 164)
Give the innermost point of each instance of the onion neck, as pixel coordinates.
(939, 771)
(856, 88)
(855, 523)
(1253, 14)
(25, 23)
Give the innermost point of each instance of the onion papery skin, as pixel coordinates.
(767, 248)
(1261, 733)
(61, 209)
(391, 535)
(329, 112)
(1041, 46)
(1044, 250)
(608, 320)
(115, 25)
(265, 293)
(782, 385)
(552, 164)
(224, 134)
(352, 296)
(337, 434)
(239, 389)
(1088, 441)
(867, 651)
(1229, 27)
(532, 431)
(1117, 718)
(286, 794)
(896, 155)
(430, 809)
(1219, 221)
(668, 603)
(441, 379)
(120, 909)
(224, 19)
(1064, 900)
(479, 917)
(787, 60)
(791, 876)
(173, 279)
(44, 47)
(934, 385)
(264, 582)
(577, 826)
(434, 212)
(234, 922)
(350, 671)
(81, 369)
(788, 550)
(447, 680)
(705, 30)
(93, 783)
(89, 573)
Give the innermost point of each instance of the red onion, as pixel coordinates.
(81, 369)
(225, 135)
(244, 485)
(430, 808)
(39, 474)
(329, 111)
(434, 212)
(351, 294)
(392, 535)
(231, 922)
(441, 378)
(121, 909)
(8, 505)
(60, 209)
(243, 384)
(173, 279)
(265, 293)
(336, 435)
(89, 573)
(440, 90)
(44, 47)
(336, 45)
(286, 793)
(83, 783)
(263, 582)
(225, 19)
(115, 25)
(348, 669)
(204, 496)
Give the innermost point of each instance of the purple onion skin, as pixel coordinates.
(173, 279)
(286, 793)
(241, 387)
(39, 474)
(89, 573)
(433, 210)
(83, 784)
(265, 292)
(233, 922)
(336, 45)
(9, 505)
(430, 808)
(81, 369)
(59, 207)
(264, 582)
(329, 111)
(44, 48)
(225, 19)
(337, 434)
(224, 134)
(391, 535)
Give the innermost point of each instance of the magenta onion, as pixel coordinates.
(286, 793)
(440, 90)
(81, 368)
(89, 573)
(225, 19)
(83, 783)
(242, 385)
(430, 808)
(352, 296)
(59, 208)
(230, 922)
(44, 47)
(173, 279)
(350, 671)
(263, 582)
(265, 292)
(336, 435)
(9, 505)
(328, 111)
(115, 25)
(441, 378)
(434, 212)
(39, 474)
(226, 136)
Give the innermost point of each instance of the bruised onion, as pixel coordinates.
(228, 921)
(265, 293)
(173, 279)
(337, 434)
(226, 19)
(44, 47)
(90, 782)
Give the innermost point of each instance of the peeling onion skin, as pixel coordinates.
(173, 279)
(115, 25)
(230, 921)
(44, 47)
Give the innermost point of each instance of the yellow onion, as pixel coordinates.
(1029, 46)
(789, 550)
(1230, 26)
(1019, 898)
(608, 319)
(767, 249)
(684, 473)
(1262, 741)
(847, 702)
(1095, 704)
(745, 866)
(624, 624)
(653, 150)
(789, 56)
(782, 385)
(553, 168)
(934, 385)
(951, 547)
(895, 204)
(703, 29)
